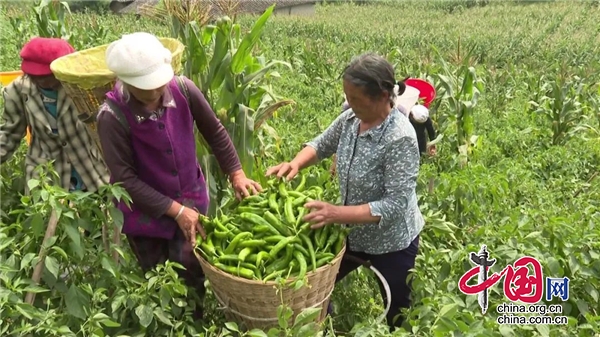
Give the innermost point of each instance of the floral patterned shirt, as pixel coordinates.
(378, 167)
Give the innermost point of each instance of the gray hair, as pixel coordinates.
(125, 95)
(374, 74)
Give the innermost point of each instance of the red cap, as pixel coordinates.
(39, 52)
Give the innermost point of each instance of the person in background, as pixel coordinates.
(146, 129)
(37, 99)
(420, 120)
(378, 160)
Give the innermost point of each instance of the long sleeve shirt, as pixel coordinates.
(57, 135)
(378, 167)
(120, 157)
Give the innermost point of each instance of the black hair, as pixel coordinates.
(375, 75)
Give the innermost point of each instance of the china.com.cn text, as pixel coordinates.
(511, 313)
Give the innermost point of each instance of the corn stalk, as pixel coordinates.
(560, 104)
(236, 83)
(460, 91)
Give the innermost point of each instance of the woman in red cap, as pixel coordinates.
(38, 100)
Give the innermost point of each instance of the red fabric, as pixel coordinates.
(39, 52)
(426, 89)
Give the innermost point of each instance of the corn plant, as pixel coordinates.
(50, 18)
(561, 107)
(235, 81)
(461, 88)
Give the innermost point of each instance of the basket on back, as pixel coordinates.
(86, 79)
(253, 304)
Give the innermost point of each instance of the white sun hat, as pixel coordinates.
(408, 99)
(140, 60)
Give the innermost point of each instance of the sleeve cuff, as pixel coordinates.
(315, 146)
(376, 208)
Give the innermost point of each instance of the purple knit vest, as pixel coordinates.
(164, 153)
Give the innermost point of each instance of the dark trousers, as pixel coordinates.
(394, 267)
(152, 251)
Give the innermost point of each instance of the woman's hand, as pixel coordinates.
(190, 225)
(321, 214)
(290, 170)
(432, 150)
(241, 184)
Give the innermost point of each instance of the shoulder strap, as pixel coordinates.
(118, 114)
(121, 117)
(183, 87)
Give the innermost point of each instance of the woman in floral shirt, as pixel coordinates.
(378, 164)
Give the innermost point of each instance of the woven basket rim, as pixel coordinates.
(288, 281)
(102, 75)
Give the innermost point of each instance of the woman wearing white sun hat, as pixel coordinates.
(146, 129)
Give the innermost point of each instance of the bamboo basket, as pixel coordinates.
(86, 79)
(253, 304)
(6, 78)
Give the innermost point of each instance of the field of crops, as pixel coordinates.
(518, 110)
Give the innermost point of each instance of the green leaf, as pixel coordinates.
(25, 310)
(110, 323)
(99, 316)
(107, 264)
(444, 271)
(64, 330)
(308, 330)
(116, 215)
(554, 266)
(583, 307)
(306, 316)
(26, 260)
(282, 315)
(33, 183)
(218, 68)
(160, 314)
(448, 310)
(51, 241)
(37, 224)
(259, 74)
(52, 266)
(35, 289)
(145, 315)
(257, 333)
(77, 249)
(84, 223)
(248, 42)
(77, 302)
(231, 326)
(544, 330)
(73, 234)
(588, 288)
(165, 297)
(118, 302)
(506, 330)
(6, 242)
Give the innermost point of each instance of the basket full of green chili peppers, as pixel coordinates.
(262, 241)
(263, 236)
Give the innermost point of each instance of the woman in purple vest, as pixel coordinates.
(146, 128)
